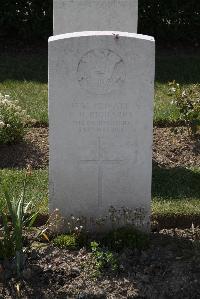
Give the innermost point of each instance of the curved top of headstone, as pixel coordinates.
(97, 15)
(116, 34)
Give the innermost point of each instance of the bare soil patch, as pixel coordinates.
(33, 151)
(170, 149)
(168, 268)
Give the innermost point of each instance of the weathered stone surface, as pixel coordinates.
(95, 15)
(100, 117)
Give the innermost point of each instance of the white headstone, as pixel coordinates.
(95, 15)
(101, 88)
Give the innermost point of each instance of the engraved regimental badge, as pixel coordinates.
(100, 71)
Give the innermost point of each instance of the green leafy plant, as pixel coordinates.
(13, 213)
(188, 104)
(66, 241)
(13, 120)
(104, 259)
(126, 237)
(71, 241)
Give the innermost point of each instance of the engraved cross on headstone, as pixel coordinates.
(99, 162)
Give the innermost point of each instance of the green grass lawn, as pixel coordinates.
(174, 191)
(36, 190)
(24, 76)
(184, 69)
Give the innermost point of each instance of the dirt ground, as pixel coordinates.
(170, 149)
(168, 268)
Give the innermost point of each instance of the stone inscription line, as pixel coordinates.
(99, 161)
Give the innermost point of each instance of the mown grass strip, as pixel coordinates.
(37, 186)
(24, 75)
(174, 191)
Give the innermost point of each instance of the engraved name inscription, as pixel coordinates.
(101, 117)
(101, 71)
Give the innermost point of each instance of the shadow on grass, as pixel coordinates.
(32, 65)
(175, 182)
(184, 68)
(24, 66)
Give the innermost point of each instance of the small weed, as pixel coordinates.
(66, 241)
(70, 241)
(13, 213)
(104, 259)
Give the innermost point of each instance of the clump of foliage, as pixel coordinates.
(188, 103)
(13, 120)
(70, 241)
(126, 237)
(104, 259)
(66, 241)
(13, 214)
